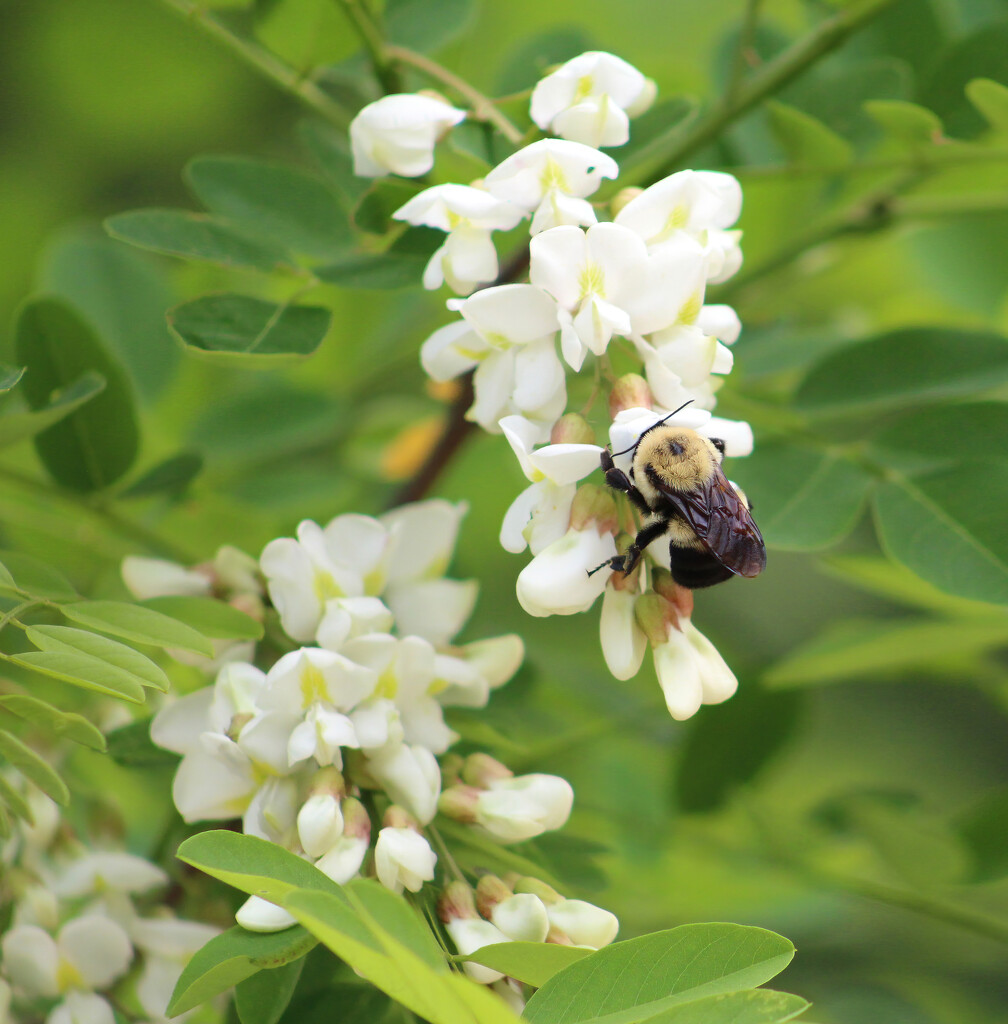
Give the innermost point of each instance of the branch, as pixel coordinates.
(264, 62)
(773, 76)
(370, 35)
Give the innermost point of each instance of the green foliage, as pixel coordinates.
(530, 962)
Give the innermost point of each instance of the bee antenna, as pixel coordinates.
(652, 427)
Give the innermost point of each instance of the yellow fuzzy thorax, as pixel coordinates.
(694, 466)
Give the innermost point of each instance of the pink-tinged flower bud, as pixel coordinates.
(594, 506)
(537, 887)
(397, 817)
(451, 770)
(572, 429)
(522, 918)
(681, 599)
(490, 891)
(460, 803)
(558, 937)
(259, 915)
(512, 810)
(470, 935)
(630, 391)
(251, 604)
(319, 824)
(356, 822)
(456, 903)
(584, 923)
(481, 769)
(403, 859)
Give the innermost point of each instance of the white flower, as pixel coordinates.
(343, 861)
(524, 806)
(156, 577)
(411, 777)
(550, 179)
(469, 215)
(589, 99)
(465, 677)
(583, 923)
(470, 934)
(691, 672)
(312, 675)
(321, 735)
(720, 321)
(347, 617)
(90, 952)
(81, 1008)
(624, 643)
(167, 944)
(403, 858)
(115, 870)
(259, 915)
(556, 581)
(272, 813)
(319, 824)
(213, 786)
(397, 133)
(522, 918)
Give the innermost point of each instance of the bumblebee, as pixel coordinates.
(677, 484)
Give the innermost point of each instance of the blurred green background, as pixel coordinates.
(854, 794)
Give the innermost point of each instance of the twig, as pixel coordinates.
(745, 40)
(482, 105)
(370, 35)
(264, 62)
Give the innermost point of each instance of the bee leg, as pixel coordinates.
(619, 481)
(625, 563)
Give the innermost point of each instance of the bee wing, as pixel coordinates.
(721, 521)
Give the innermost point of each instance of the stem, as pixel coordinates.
(264, 62)
(9, 617)
(445, 852)
(368, 33)
(483, 106)
(742, 50)
(112, 519)
(773, 76)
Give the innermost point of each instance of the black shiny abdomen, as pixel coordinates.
(695, 569)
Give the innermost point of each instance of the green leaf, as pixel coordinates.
(137, 624)
(533, 963)
(940, 436)
(124, 296)
(948, 527)
(84, 671)
(395, 916)
(374, 211)
(805, 140)
(9, 377)
(236, 330)
(172, 476)
(331, 151)
(305, 33)
(214, 619)
(346, 927)
(195, 236)
(10, 797)
(132, 746)
(991, 99)
(907, 123)
(802, 499)
(400, 266)
(758, 1006)
(33, 768)
(63, 723)
(230, 958)
(426, 27)
(17, 426)
(97, 443)
(253, 865)
(263, 998)
(269, 200)
(859, 650)
(891, 370)
(35, 578)
(983, 829)
(533, 55)
(635, 980)
(67, 638)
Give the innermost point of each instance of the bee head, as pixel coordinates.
(680, 457)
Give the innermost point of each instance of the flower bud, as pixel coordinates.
(624, 643)
(631, 391)
(356, 822)
(556, 581)
(624, 196)
(655, 616)
(572, 429)
(456, 902)
(319, 824)
(594, 506)
(396, 817)
(584, 923)
(520, 808)
(451, 770)
(403, 859)
(459, 803)
(679, 597)
(537, 887)
(489, 892)
(522, 918)
(558, 937)
(481, 769)
(259, 915)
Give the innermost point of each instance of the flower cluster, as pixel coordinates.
(332, 751)
(76, 938)
(635, 283)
